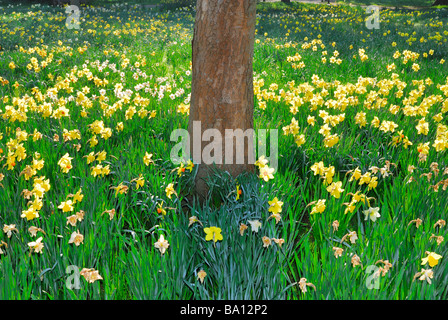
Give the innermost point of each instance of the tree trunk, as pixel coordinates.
(222, 96)
(440, 3)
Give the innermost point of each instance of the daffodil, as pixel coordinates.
(180, 170)
(365, 178)
(266, 173)
(139, 182)
(201, 275)
(66, 206)
(337, 251)
(266, 241)
(213, 233)
(37, 245)
(65, 163)
(76, 238)
(335, 189)
(72, 220)
(111, 213)
(318, 168)
(147, 158)
(190, 165)
(78, 196)
(169, 190)
(335, 225)
(328, 175)
(303, 284)
(319, 207)
(96, 170)
(350, 206)
(160, 209)
(33, 231)
(30, 214)
(356, 261)
(3, 243)
(101, 156)
(424, 274)
(243, 227)
(255, 225)
(372, 214)
(280, 241)
(192, 220)
(91, 275)
(432, 258)
(238, 192)
(356, 174)
(275, 206)
(162, 244)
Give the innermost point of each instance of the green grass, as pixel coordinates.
(157, 43)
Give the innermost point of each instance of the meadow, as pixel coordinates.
(91, 206)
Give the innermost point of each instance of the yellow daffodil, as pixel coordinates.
(66, 206)
(65, 163)
(147, 158)
(213, 233)
(266, 173)
(190, 165)
(432, 258)
(335, 189)
(238, 192)
(169, 190)
(319, 207)
(261, 162)
(275, 206)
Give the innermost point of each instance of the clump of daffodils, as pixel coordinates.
(266, 173)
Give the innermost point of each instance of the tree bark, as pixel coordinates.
(222, 94)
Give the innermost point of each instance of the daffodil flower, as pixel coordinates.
(201, 275)
(266, 173)
(66, 206)
(91, 275)
(432, 258)
(169, 190)
(275, 206)
(213, 233)
(37, 245)
(319, 207)
(238, 192)
(255, 225)
(372, 213)
(162, 244)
